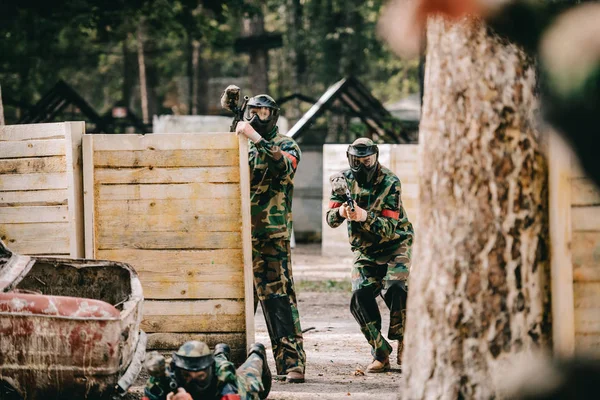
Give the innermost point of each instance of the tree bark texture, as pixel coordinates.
(479, 289)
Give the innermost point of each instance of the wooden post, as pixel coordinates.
(561, 266)
(247, 240)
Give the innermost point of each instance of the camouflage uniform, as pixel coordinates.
(246, 381)
(382, 247)
(273, 164)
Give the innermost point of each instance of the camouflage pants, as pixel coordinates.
(387, 276)
(274, 287)
(249, 378)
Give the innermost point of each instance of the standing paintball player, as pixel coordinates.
(273, 161)
(381, 239)
(196, 373)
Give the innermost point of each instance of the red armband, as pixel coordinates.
(390, 214)
(231, 396)
(291, 158)
(334, 204)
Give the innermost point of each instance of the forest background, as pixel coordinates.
(185, 52)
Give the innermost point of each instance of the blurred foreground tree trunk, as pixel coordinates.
(479, 292)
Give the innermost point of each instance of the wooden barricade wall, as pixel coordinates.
(401, 159)
(41, 202)
(575, 258)
(176, 207)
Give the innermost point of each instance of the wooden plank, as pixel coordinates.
(170, 191)
(588, 344)
(586, 274)
(168, 240)
(46, 238)
(20, 215)
(586, 249)
(584, 192)
(587, 320)
(193, 316)
(53, 130)
(193, 290)
(191, 273)
(587, 295)
(561, 268)
(33, 198)
(89, 196)
(33, 165)
(189, 141)
(14, 182)
(247, 241)
(170, 341)
(167, 175)
(182, 208)
(33, 148)
(172, 260)
(586, 218)
(73, 136)
(170, 223)
(167, 158)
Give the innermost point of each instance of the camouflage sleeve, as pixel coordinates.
(333, 216)
(154, 390)
(384, 223)
(281, 161)
(226, 375)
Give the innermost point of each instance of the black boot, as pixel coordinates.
(267, 378)
(224, 349)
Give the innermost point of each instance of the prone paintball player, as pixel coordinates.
(273, 161)
(196, 373)
(381, 239)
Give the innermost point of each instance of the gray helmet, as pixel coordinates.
(193, 356)
(363, 155)
(263, 127)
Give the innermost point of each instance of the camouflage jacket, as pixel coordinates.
(273, 163)
(387, 224)
(158, 389)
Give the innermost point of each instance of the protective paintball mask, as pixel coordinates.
(262, 120)
(363, 157)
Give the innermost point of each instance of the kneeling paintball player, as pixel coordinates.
(381, 237)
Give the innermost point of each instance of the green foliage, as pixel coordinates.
(91, 44)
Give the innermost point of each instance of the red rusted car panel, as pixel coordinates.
(69, 329)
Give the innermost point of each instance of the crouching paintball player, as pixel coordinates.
(273, 161)
(381, 238)
(196, 373)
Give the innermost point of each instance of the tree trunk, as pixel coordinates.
(142, 69)
(1, 108)
(258, 67)
(195, 62)
(479, 290)
(295, 55)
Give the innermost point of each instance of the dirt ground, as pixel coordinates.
(337, 353)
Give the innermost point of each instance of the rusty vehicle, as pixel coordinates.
(69, 328)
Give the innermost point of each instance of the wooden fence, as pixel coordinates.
(575, 253)
(176, 207)
(41, 200)
(172, 207)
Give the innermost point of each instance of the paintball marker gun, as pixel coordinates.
(339, 185)
(229, 101)
(156, 366)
